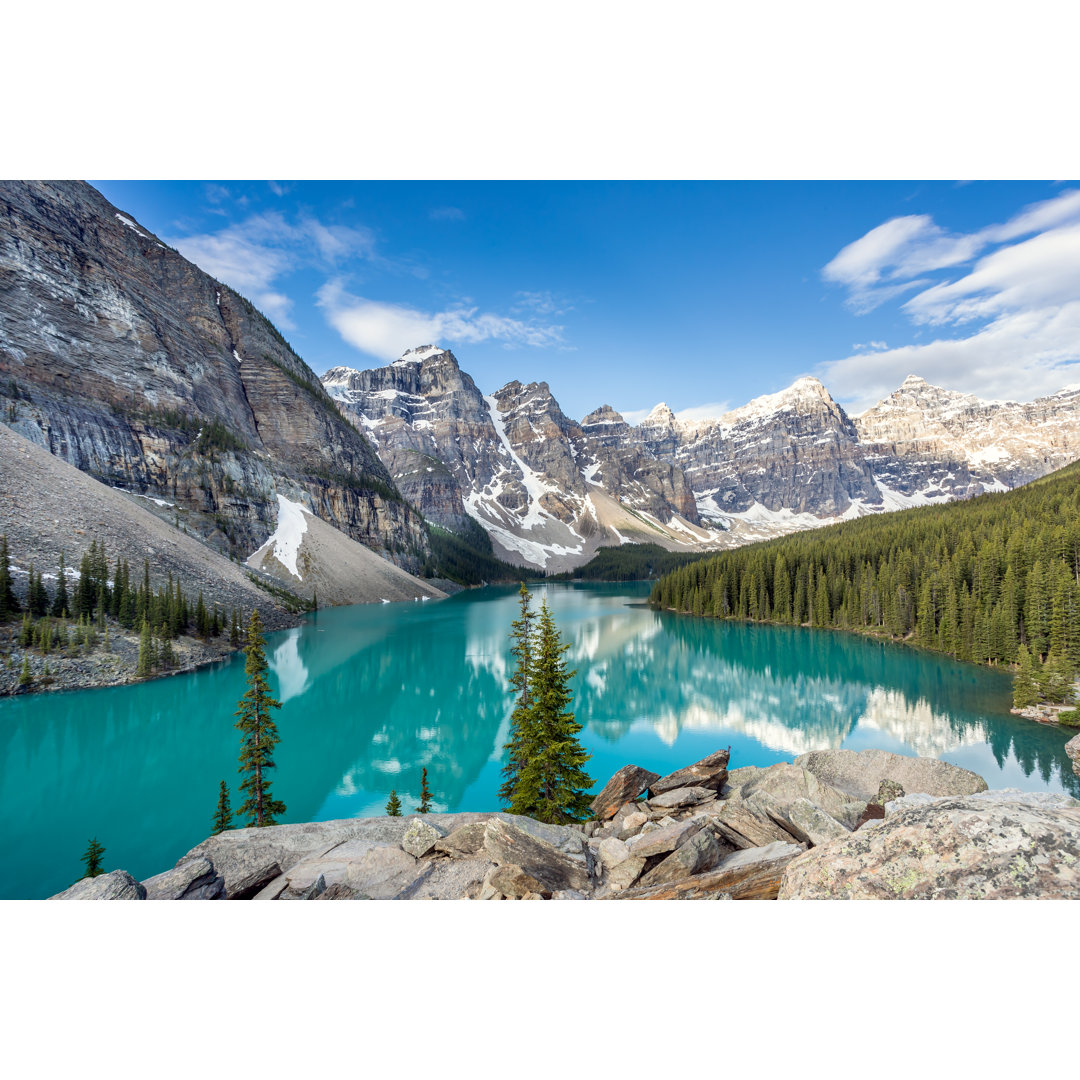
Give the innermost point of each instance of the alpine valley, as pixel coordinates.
(126, 361)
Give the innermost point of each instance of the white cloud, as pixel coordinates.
(252, 254)
(387, 330)
(1021, 300)
(633, 416)
(704, 412)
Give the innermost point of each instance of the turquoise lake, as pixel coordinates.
(372, 694)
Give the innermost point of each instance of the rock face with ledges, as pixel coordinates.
(126, 360)
(116, 885)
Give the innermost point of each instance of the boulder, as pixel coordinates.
(736, 778)
(627, 784)
(753, 874)
(746, 824)
(810, 824)
(682, 796)
(699, 853)
(1072, 748)
(507, 844)
(861, 772)
(512, 881)
(710, 772)
(666, 838)
(420, 837)
(626, 812)
(953, 849)
(786, 783)
(446, 879)
(612, 851)
(195, 879)
(625, 874)
(464, 842)
(631, 825)
(116, 885)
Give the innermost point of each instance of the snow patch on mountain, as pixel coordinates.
(286, 539)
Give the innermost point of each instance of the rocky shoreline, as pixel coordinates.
(832, 824)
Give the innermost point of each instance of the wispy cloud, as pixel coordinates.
(253, 254)
(446, 213)
(386, 330)
(544, 304)
(1012, 318)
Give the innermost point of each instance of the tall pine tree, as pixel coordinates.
(92, 859)
(520, 741)
(425, 794)
(260, 734)
(9, 604)
(552, 785)
(393, 805)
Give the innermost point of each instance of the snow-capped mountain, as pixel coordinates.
(549, 490)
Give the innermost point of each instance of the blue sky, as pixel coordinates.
(699, 294)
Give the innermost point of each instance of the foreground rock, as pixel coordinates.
(967, 848)
(195, 879)
(860, 773)
(627, 784)
(1072, 748)
(117, 885)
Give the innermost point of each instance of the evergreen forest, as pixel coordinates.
(995, 579)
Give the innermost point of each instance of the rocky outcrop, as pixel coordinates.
(860, 773)
(628, 783)
(127, 361)
(967, 848)
(776, 831)
(1072, 748)
(116, 885)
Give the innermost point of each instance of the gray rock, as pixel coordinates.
(736, 778)
(632, 824)
(811, 824)
(849, 813)
(627, 784)
(860, 773)
(464, 842)
(683, 796)
(753, 874)
(710, 772)
(611, 852)
(116, 885)
(512, 881)
(746, 824)
(506, 843)
(420, 837)
(340, 891)
(1072, 748)
(957, 849)
(699, 853)
(665, 839)
(451, 879)
(383, 872)
(625, 874)
(785, 783)
(315, 889)
(195, 879)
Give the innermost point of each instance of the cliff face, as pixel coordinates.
(124, 359)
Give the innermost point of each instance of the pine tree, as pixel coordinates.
(223, 815)
(552, 785)
(520, 742)
(9, 603)
(393, 805)
(234, 630)
(145, 662)
(25, 678)
(425, 794)
(60, 604)
(92, 858)
(259, 732)
(1025, 683)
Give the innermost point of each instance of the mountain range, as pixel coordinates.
(549, 490)
(124, 359)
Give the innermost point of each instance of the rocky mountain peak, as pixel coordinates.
(422, 353)
(602, 417)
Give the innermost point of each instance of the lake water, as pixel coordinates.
(371, 694)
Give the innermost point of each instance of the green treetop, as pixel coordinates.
(393, 805)
(223, 814)
(92, 859)
(520, 742)
(425, 794)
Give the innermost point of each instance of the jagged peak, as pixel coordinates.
(914, 380)
(660, 414)
(604, 415)
(422, 353)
